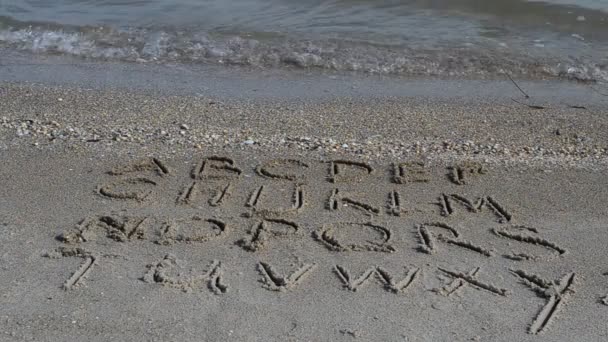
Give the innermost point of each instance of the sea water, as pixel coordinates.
(446, 38)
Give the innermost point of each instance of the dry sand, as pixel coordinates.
(133, 215)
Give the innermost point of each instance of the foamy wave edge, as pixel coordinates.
(160, 46)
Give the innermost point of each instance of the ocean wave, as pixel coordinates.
(455, 59)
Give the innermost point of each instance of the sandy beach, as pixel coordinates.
(315, 170)
(251, 206)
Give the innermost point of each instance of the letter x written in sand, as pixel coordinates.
(460, 280)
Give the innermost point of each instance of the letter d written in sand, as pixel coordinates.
(347, 171)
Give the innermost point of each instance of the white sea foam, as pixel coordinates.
(137, 45)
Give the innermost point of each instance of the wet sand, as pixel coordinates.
(128, 211)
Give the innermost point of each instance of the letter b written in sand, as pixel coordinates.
(215, 167)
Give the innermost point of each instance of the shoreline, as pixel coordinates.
(498, 129)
